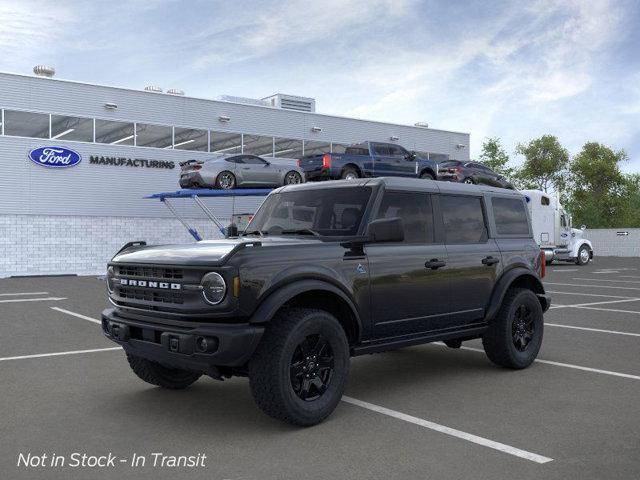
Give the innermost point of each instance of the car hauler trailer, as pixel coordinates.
(553, 232)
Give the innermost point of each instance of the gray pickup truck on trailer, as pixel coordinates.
(326, 271)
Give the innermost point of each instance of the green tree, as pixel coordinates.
(599, 194)
(631, 208)
(545, 164)
(495, 157)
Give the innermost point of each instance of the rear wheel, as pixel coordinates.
(427, 176)
(468, 181)
(292, 178)
(299, 370)
(349, 173)
(514, 337)
(225, 180)
(584, 255)
(157, 374)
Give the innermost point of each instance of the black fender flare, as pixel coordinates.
(505, 281)
(276, 299)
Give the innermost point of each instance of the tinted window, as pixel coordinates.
(72, 128)
(328, 211)
(544, 200)
(415, 211)
(253, 160)
(381, 149)
(450, 163)
(396, 151)
(26, 124)
(510, 216)
(463, 219)
(234, 160)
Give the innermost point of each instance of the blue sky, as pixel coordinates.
(515, 70)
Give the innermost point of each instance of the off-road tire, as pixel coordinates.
(157, 374)
(498, 340)
(427, 176)
(270, 366)
(579, 260)
(349, 172)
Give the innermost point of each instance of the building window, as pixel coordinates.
(258, 145)
(72, 128)
(312, 147)
(26, 124)
(226, 143)
(114, 133)
(157, 136)
(190, 139)
(338, 147)
(287, 148)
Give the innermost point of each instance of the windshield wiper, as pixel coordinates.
(301, 231)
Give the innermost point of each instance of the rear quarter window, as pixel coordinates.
(510, 216)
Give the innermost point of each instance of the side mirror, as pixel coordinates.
(231, 231)
(385, 230)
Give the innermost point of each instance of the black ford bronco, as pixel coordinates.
(328, 271)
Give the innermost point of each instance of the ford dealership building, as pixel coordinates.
(77, 160)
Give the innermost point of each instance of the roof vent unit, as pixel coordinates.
(175, 91)
(44, 71)
(422, 124)
(244, 100)
(153, 88)
(292, 102)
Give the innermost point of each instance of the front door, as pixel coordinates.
(409, 281)
(474, 259)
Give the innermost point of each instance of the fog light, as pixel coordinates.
(214, 288)
(206, 344)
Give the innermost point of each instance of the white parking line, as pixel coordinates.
(610, 310)
(563, 270)
(598, 330)
(598, 286)
(23, 293)
(56, 354)
(606, 280)
(595, 303)
(84, 317)
(16, 300)
(566, 365)
(587, 294)
(485, 442)
(628, 276)
(605, 272)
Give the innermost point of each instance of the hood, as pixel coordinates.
(210, 252)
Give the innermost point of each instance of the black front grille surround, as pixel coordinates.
(150, 294)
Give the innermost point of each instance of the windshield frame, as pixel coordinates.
(364, 219)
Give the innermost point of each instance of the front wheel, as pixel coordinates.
(584, 255)
(514, 336)
(157, 374)
(299, 370)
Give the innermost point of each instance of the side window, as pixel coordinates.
(415, 211)
(234, 160)
(463, 219)
(381, 149)
(252, 160)
(396, 151)
(544, 200)
(510, 216)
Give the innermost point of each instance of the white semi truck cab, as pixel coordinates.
(553, 232)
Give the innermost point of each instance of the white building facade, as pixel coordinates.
(130, 143)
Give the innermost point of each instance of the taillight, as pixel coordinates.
(543, 264)
(299, 162)
(326, 160)
(196, 167)
(458, 170)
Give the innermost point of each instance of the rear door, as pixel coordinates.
(407, 295)
(382, 160)
(473, 258)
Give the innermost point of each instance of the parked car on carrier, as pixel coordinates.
(472, 173)
(368, 159)
(327, 271)
(240, 170)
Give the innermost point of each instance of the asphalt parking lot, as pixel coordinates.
(421, 412)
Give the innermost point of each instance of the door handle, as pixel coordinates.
(434, 264)
(246, 168)
(488, 261)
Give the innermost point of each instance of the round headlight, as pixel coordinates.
(111, 272)
(214, 288)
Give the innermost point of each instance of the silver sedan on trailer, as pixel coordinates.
(240, 170)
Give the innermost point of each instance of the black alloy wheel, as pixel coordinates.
(522, 327)
(311, 367)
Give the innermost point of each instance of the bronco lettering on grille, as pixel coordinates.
(149, 284)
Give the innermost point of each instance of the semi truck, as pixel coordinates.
(553, 231)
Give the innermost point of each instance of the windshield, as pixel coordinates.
(327, 212)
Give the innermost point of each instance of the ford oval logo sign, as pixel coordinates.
(55, 157)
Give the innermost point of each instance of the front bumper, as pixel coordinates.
(180, 347)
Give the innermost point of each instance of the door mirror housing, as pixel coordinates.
(385, 230)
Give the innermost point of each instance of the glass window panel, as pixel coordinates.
(258, 145)
(26, 124)
(316, 148)
(511, 216)
(338, 147)
(463, 219)
(414, 209)
(157, 136)
(190, 139)
(115, 133)
(72, 128)
(288, 148)
(226, 143)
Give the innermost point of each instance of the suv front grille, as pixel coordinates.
(150, 295)
(150, 272)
